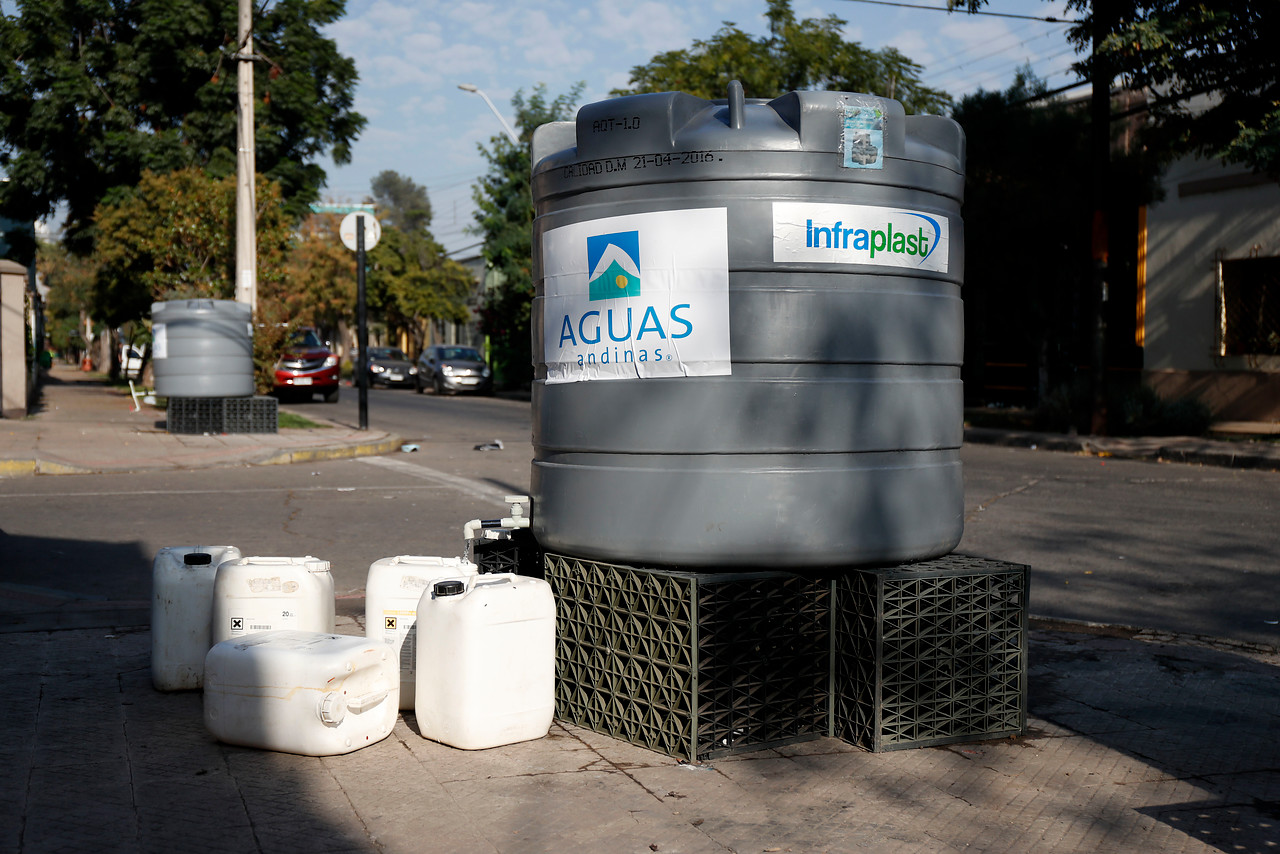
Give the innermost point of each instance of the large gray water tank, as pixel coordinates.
(748, 332)
(202, 348)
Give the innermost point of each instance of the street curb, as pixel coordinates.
(336, 452)
(17, 468)
(1118, 449)
(25, 467)
(1148, 635)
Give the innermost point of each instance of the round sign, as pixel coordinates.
(347, 231)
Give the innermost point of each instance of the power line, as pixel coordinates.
(979, 77)
(1049, 19)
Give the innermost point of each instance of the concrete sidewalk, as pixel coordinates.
(82, 425)
(1135, 743)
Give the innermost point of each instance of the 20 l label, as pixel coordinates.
(860, 234)
(637, 296)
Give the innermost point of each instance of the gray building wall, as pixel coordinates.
(1209, 211)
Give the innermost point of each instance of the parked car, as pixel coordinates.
(390, 366)
(450, 369)
(308, 367)
(131, 358)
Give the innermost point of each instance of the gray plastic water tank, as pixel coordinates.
(748, 332)
(202, 348)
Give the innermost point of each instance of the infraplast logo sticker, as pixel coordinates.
(860, 234)
(614, 264)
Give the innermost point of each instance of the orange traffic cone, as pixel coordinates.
(86, 364)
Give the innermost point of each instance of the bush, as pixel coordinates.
(1131, 411)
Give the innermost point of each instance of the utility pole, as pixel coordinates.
(1100, 148)
(246, 204)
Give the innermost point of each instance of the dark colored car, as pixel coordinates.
(450, 369)
(390, 366)
(307, 367)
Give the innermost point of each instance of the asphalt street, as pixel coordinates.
(1172, 547)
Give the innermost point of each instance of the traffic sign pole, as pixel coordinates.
(362, 327)
(358, 232)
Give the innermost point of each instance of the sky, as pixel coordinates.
(411, 56)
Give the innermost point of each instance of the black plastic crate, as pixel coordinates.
(194, 415)
(693, 665)
(222, 415)
(250, 414)
(930, 653)
(507, 550)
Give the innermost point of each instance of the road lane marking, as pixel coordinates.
(474, 488)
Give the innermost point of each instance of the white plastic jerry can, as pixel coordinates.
(257, 594)
(302, 692)
(181, 602)
(486, 660)
(392, 591)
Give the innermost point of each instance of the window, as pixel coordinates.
(1249, 307)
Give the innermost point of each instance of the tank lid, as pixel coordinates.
(197, 558)
(453, 587)
(669, 136)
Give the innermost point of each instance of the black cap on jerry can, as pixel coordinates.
(452, 587)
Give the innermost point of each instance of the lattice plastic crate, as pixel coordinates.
(250, 415)
(507, 550)
(693, 665)
(930, 653)
(222, 415)
(194, 415)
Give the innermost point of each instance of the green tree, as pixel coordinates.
(93, 93)
(1211, 70)
(797, 54)
(413, 284)
(1027, 209)
(504, 217)
(321, 275)
(70, 280)
(401, 202)
(173, 238)
(1179, 50)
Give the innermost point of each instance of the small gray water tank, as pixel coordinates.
(748, 332)
(202, 348)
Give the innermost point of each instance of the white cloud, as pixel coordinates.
(650, 27)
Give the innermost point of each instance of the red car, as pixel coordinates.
(308, 367)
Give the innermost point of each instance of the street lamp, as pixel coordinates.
(471, 87)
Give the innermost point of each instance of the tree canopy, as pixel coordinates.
(1180, 50)
(401, 202)
(504, 217)
(411, 280)
(174, 238)
(93, 93)
(797, 54)
(1211, 70)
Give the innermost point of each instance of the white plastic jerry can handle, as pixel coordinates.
(333, 706)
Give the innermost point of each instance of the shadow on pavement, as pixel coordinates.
(1184, 715)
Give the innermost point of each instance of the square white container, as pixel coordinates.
(181, 601)
(486, 660)
(258, 594)
(312, 693)
(392, 591)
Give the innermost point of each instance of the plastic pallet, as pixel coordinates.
(930, 653)
(250, 414)
(693, 665)
(197, 415)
